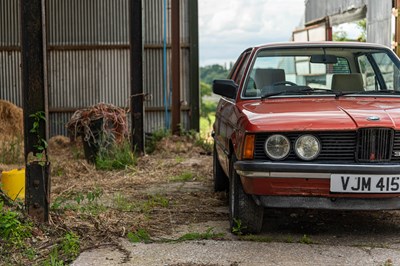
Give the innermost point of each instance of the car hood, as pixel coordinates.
(300, 114)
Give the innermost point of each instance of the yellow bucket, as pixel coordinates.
(13, 183)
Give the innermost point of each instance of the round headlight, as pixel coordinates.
(307, 147)
(277, 147)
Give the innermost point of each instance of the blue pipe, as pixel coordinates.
(165, 67)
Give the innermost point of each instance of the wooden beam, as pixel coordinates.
(136, 64)
(34, 91)
(176, 67)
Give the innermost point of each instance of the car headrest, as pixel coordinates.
(266, 77)
(347, 82)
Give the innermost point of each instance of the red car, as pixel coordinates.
(308, 125)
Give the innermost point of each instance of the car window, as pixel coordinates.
(268, 71)
(368, 74)
(388, 69)
(329, 70)
(242, 68)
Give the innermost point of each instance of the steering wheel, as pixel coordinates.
(285, 83)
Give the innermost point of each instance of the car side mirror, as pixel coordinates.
(225, 87)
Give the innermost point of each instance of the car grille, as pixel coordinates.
(375, 144)
(370, 145)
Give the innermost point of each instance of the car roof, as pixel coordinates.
(321, 44)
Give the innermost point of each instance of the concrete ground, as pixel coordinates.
(289, 237)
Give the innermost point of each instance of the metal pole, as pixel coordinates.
(176, 67)
(34, 103)
(194, 65)
(397, 27)
(136, 68)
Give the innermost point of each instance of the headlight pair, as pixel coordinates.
(307, 147)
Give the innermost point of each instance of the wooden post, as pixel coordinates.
(136, 63)
(176, 67)
(34, 91)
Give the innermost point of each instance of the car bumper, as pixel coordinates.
(310, 170)
(307, 185)
(328, 203)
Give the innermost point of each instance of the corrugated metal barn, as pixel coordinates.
(88, 58)
(331, 13)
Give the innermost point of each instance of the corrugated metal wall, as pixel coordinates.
(88, 57)
(10, 54)
(379, 15)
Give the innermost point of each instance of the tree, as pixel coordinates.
(209, 73)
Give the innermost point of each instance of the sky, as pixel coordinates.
(228, 27)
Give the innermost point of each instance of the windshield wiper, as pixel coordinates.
(338, 94)
(298, 91)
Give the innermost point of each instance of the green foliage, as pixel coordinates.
(12, 152)
(306, 240)
(362, 25)
(155, 137)
(83, 202)
(140, 235)
(209, 73)
(154, 201)
(121, 203)
(118, 156)
(186, 176)
(41, 143)
(238, 227)
(209, 234)
(64, 252)
(12, 230)
(70, 245)
(340, 36)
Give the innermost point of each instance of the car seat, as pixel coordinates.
(347, 82)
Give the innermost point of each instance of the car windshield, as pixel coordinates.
(317, 71)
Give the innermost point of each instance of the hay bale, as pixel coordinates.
(11, 121)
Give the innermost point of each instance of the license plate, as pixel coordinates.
(365, 183)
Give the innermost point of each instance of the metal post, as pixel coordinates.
(176, 67)
(34, 91)
(136, 65)
(397, 27)
(194, 65)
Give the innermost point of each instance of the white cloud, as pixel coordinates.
(227, 27)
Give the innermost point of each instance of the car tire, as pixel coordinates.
(246, 217)
(221, 181)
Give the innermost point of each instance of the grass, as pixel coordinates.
(12, 228)
(184, 177)
(121, 203)
(306, 240)
(209, 234)
(206, 125)
(84, 202)
(154, 201)
(154, 138)
(238, 227)
(115, 158)
(141, 235)
(66, 251)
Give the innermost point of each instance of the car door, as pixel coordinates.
(226, 116)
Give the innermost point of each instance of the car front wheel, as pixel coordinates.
(244, 214)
